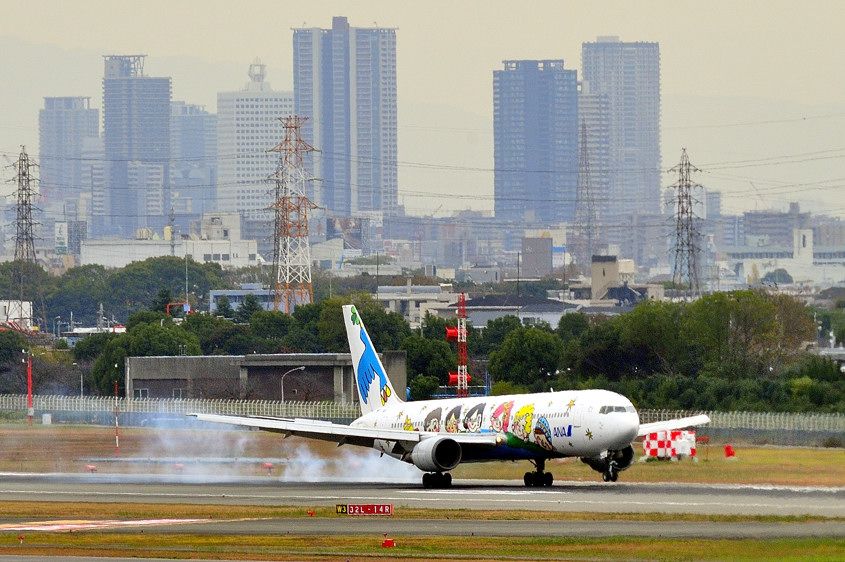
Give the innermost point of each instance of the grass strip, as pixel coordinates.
(287, 547)
(109, 510)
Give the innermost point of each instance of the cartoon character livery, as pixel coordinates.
(501, 417)
(374, 389)
(596, 426)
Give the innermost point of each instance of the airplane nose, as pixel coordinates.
(630, 427)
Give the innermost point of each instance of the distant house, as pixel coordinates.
(530, 310)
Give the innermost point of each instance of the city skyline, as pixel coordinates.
(726, 111)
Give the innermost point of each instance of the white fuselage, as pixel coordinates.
(573, 423)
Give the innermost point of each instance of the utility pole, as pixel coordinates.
(686, 247)
(292, 252)
(585, 206)
(24, 226)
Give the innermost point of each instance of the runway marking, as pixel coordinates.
(437, 496)
(85, 525)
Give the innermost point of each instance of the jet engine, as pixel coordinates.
(612, 463)
(436, 454)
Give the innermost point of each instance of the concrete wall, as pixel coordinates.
(327, 376)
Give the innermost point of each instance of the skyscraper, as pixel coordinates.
(193, 166)
(247, 127)
(63, 126)
(535, 128)
(629, 75)
(136, 135)
(345, 83)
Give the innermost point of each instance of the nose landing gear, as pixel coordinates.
(540, 478)
(612, 472)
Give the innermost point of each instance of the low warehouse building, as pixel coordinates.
(290, 377)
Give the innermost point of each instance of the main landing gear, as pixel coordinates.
(437, 480)
(540, 478)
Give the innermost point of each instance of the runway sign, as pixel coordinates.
(364, 508)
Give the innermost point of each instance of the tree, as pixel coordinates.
(271, 324)
(90, 347)
(433, 358)
(778, 277)
(224, 309)
(651, 337)
(527, 356)
(422, 388)
(572, 325)
(249, 307)
(11, 344)
(497, 329)
(146, 317)
(598, 352)
(502, 388)
(433, 327)
(386, 330)
(161, 300)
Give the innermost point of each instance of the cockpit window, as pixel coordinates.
(609, 409)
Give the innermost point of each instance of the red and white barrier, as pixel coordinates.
(669, 444)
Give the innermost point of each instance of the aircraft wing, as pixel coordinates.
(668, 425)
(343, 434)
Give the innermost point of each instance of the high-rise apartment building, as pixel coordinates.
(193, 164)
(345, 83)
(136, 135)
(535, 127)
(629, 75)
(63, 127)
(248, 126)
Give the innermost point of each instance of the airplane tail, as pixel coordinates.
(374, 388)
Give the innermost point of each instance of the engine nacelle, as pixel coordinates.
(623, 458)
(436, 454)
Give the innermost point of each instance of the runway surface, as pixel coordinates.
(465, 494)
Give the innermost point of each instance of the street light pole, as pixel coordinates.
(282, 380)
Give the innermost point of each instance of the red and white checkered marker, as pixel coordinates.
(669, 444)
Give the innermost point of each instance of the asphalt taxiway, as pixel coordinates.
(616, 497)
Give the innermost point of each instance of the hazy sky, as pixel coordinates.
(741, 81)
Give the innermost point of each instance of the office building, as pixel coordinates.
(248, 126)
(345, 83)
(64, 125)
(193, 166)
(535, 127)
(136, 135)
(628, 74)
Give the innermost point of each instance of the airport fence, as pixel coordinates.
(138, 407)
(772, 427)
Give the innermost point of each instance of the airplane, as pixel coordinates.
(597, 426)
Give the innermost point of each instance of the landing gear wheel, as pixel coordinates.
(436, 480)
(539, 477)
(610, 475)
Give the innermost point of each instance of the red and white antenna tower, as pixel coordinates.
(291, 251)
(459, 335)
